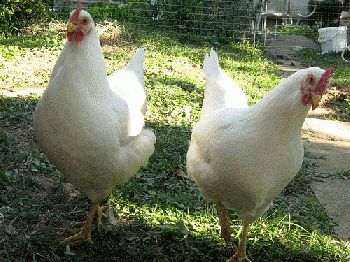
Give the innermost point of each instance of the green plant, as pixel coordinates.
(307, 31)
(160, 214)
(340, 76)
(222, 19)
(16, 14)
(346, 104)
(102, 11)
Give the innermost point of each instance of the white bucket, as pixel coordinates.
(332, 39)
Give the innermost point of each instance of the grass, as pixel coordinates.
(340, 103)
(162, 216)
(341, 69)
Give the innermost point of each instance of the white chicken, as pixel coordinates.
(89, 125)
(241, 156)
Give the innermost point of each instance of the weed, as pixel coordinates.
(162, 216)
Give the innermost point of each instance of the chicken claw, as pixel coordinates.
(85, 231)
(241, 254)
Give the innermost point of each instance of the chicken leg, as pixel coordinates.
(241, 254)
(224, 223)
(85, 232)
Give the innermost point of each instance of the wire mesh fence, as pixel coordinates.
(259, 21)
(299, 16)
(230, 19)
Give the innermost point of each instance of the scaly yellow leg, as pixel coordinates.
(224, 223)
(85, 232)
(241, 254)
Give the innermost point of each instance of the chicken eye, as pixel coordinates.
(312, 79)
(85, 21)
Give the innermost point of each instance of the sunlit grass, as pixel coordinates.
(340, 77)
(162, 215)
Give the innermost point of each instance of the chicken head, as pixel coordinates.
(80, 25)
(312, 90)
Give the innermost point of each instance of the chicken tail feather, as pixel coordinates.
(220, 90)
(136, 64)
(211, 65)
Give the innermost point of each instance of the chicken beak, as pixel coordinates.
(72, 27)
(316, 99)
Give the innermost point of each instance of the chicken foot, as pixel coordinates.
(241, 254)
(224, 223)
(85, 231)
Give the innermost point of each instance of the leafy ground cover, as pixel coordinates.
(161, 215)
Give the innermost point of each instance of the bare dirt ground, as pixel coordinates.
(327, 147)
(26, 91)
(283, 49)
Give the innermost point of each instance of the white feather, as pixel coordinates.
(128, 83)
(220, 90)
(92, 133)
(244, 156)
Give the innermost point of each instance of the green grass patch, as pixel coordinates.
(162, 215)
(341, 68)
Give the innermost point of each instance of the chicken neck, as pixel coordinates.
(280, 113)
(86, 58)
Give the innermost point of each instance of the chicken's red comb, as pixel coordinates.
(322, 84)
(76, 14)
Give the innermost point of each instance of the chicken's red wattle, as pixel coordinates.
(75, 36)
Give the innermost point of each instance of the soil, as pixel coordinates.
(283, 49)
(31, 90)
(327, 142)
(330, 158)
(329, 153)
